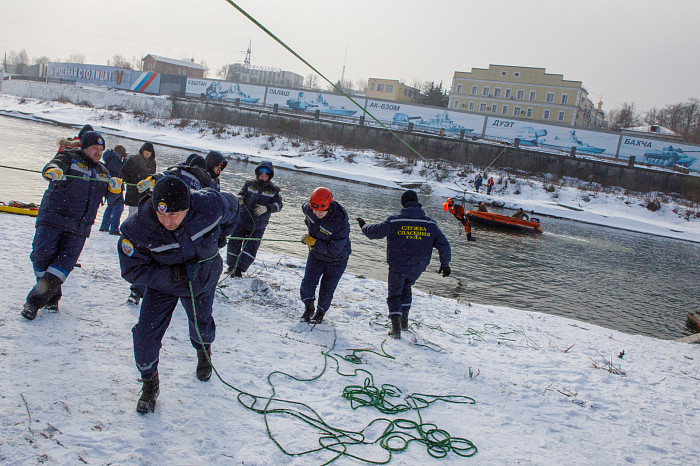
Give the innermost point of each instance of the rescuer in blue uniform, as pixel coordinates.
(329, 248)
(65, 217)
(170, 247)
(259, 198)
(410, 239)
(215, 163)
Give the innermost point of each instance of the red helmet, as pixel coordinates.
(321, 199)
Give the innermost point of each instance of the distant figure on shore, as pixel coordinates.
(477, 182)
(489, 185)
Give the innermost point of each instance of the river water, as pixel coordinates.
(617, 279)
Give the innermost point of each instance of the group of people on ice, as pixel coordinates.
(178, 221)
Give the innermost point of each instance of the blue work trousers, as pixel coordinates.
(328, 273)
(242, 259)
(113, 213)
(399, 286)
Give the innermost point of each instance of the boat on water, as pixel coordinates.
(320, 104)
(20, 208)
(504, 221)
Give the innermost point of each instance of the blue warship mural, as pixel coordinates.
(670, 156)
(530, 137)
(441, 120)
(216, 92)
(320, 104)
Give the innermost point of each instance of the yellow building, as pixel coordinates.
(391, 89)
(526, 93)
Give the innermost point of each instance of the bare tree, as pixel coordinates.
(76, 58)
(18, 58)
(311, 81)
(625, 117)
(206, 68)
(120, 62)
(43, 60)
(361, 85)
(222, 73)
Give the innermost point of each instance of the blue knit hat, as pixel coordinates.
(92, 138)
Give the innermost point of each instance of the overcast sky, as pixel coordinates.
(640, 51)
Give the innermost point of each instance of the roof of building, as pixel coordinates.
(172, 61)
(655, 129)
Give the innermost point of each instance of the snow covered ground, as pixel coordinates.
(523, 387)
(566, 198)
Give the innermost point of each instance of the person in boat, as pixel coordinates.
(520, 213)
(78, 182)
(481, 207)
(170, 248)
(410, 239)
(111, 218)
(259, 198)
(461, 215)
(328, 239)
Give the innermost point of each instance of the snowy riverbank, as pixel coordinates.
(546, 389)
(570, 199)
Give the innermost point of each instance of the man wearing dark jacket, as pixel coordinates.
(135, 169)
(215, 163)
(259, 198)
(111, 218)
(329, 248)
(66, 215)
(410, 239)
(170, 247)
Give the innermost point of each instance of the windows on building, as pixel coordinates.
(494, 108)
(380, 87)
(371, 87)
(520, 95)
(564, 99)
(561, 116)
(504, 73)
(485, 91)
(456, 104)
(390, 88)
(482, 107)
(516, 111)
(528, 113)
(516, 74)
(459, 88)
(550, 97)
(497, 92)
(533, 96)
(471, 106)
(505, 110)
(507, 96)
(545, 114)
(474, 90)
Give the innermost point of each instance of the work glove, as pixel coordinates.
(54, 174)
(115, 185)
(145, 185)
(470, 237)
(360, 221)
(259, 210)
(308, 240)
(240, 199)
(445, 271)
(223, 239)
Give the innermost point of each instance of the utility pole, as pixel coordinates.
(342, 75)
(246, 61)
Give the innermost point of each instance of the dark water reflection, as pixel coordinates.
(627, 281)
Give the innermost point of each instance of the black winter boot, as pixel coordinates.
(149, 393)
(204, 364)
(318, 316)
(134, 297)
(308, 312)
(52, 305)
(46, 287)
(404, 319)
(395, 331)
(29, 311)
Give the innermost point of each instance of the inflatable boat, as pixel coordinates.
(14, 207)
(489, 218)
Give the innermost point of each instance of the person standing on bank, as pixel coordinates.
(135, 169)
(170, 247)
(410, 239)
(67, 212)
(259, 198)
(489, 186)
(329, 248)
(215, 164)
(111, 218)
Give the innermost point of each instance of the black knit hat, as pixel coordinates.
(84, 130)
(409, 196)
(170, 194)
(196, 160)
(149, 147)
(92, 138)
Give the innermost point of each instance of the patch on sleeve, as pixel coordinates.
(126, 247)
